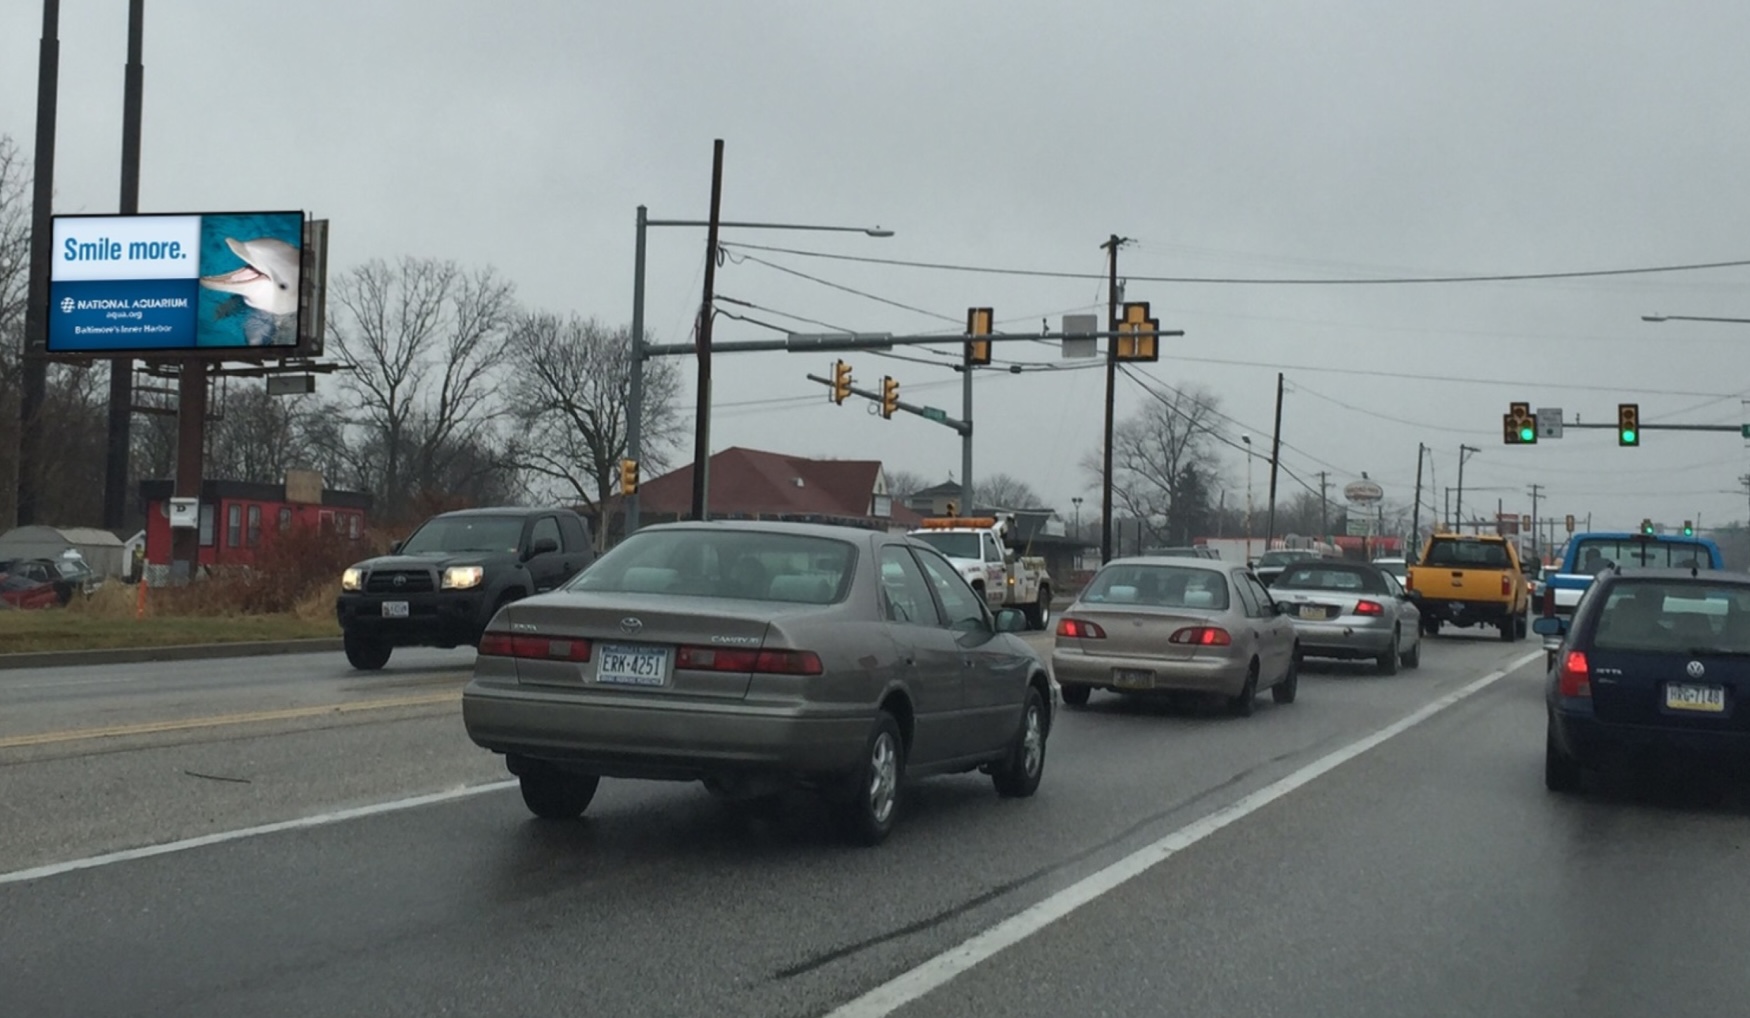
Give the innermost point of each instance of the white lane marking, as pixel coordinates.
(894, 994)
(319, 820)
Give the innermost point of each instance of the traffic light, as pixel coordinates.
(628, 476)
(889, 396)
(1647, 527)
(1137, 339)
(1570, 523)
(978, 323)
(1688, 528)
(1519, 425)
(1628, 424)
(841, 382)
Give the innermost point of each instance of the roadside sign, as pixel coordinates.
(1360, 526)
(1549, 422)
(935, 414)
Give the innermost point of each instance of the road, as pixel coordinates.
(1325, 857)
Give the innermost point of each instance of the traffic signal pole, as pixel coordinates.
(928, 413)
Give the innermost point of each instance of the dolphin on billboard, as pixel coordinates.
(266, 284)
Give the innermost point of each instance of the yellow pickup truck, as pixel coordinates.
(1471, 580)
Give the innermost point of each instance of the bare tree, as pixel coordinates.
(903, 484)
(1159, 454)
(422, 339)
(15, 202)
(1003, 491)
(570, 391)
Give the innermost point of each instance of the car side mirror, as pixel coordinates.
(1010, 620)
(542, 546)
(1550, 625)
(1283, 607)
(394, 547)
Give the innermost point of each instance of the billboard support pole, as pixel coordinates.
(36, 327)
(191, 421)
(121, 369)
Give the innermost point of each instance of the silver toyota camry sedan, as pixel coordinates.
(1146, 624)
(1352, 610)
(757, 656)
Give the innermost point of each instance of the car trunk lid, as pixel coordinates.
(1143, 632)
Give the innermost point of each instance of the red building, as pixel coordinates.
(750, 484)
(236, 517)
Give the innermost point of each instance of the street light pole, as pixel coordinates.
(1247, 439)
(640, 353)
(1458, 508)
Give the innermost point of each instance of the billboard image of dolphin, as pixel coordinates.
(176, 284)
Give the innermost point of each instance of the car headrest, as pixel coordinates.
(800, 587)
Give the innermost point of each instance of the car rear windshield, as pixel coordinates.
(1594, 554)
(1675, 617)
(745, 564)
(1319, 576)
(456, 534)
(1468, 554)
(1158, 586)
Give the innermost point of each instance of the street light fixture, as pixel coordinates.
(1692, 318)
(635, 393)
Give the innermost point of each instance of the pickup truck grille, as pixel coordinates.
(399, 581)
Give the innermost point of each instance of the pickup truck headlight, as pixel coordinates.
(352, 579)
(463, 577)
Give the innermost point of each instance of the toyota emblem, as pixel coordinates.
(401, 580)
(630, 625)
(1696, 669)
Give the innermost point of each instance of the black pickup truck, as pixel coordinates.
(442, 585)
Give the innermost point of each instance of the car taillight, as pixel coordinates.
(1410, 579)
(527, 645)
(1506, 585)
(1079, 629)
(1369, 608)
(1201, 636)
(771, 662)
(1576, 677)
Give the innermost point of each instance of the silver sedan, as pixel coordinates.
(1175, 624)
(753, 656)
(1352, 610)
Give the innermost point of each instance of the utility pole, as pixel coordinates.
(966, 436)
(702, 412)
(1446, 511)
(1416, 511)
(1459, 507)
(1324, 510)
(1536, 490)
(35, 381)
(1113, 243)
(635, 390)
(1275, 454)
(121, 369)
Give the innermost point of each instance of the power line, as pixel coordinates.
(1245, 280)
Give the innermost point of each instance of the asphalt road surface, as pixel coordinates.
(1384, 846)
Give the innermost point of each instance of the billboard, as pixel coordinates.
(208, 284)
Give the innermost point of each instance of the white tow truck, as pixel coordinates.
(980, 548)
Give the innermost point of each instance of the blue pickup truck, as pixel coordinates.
(1589, 553)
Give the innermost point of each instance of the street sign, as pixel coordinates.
(1549, 422)
(935, 414)
(1360, 526)
(1078, 339)
(1363, 492)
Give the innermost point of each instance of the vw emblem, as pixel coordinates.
(400, 580)
(630, 625)
(1696, 669)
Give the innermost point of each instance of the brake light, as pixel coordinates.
(527, 645)
(1576, 677)
(1506, 585)
(1201, 636)
(771, 662)
(1369, 608)
(1079, 629)
(1409, 579)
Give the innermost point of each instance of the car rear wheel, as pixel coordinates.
(1241, 705)
(1561, 772)
(365, 653)
(1387, 663)
(1018, 775)
(1075, 694)
(1507, 630)
(872, 802)
(1286, 690)
(1431, 627)
(1413, 658)
(1039, 613)
(553, 795)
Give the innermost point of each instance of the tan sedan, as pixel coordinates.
(1174, 624)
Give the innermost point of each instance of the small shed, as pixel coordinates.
(101, 550)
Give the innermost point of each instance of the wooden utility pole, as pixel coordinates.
(1275, 455)
(1113, 243)
(702, 409)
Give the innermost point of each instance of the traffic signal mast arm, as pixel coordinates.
(802, 342)
(928, 413)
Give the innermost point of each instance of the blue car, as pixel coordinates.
(1652, 659)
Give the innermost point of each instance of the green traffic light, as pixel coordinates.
(1527, 435)
(1628, 434)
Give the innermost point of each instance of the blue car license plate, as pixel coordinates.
(619, 664)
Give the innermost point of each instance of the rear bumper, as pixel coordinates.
(1592, 742)
(643, 739)
(1335, 639)
(1197, 675)
(1465, 613)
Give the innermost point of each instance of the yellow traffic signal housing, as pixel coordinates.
(841, 382)
(978, 323)
(889, 396)
(1137, 339)
(628, 476)
(1628, 424)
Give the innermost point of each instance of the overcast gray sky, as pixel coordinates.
(1337, 139)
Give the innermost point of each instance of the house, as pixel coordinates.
(751, 484)
(237, 516)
